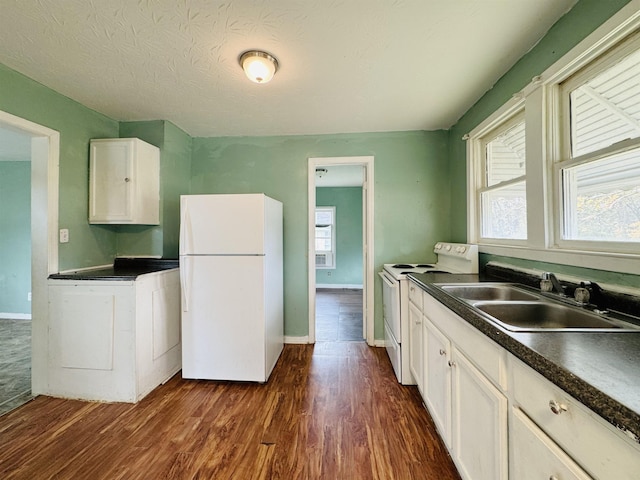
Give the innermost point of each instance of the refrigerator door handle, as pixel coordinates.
(185, 231)
(185, 280)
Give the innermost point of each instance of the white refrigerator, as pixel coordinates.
(232, 286)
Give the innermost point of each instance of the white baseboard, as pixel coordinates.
(15, 316)
(338, 285)
(379, 343)
(297, 340)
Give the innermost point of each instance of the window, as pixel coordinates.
(599, 170)
(502, 185)
(325, 237)
(575, 198)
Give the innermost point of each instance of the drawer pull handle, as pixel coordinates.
(557, 408)
(451, 364)
(442, 352)
(553, 477)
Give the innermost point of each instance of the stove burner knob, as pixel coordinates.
(448, 248)
(438, 246)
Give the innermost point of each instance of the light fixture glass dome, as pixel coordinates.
(260, 67)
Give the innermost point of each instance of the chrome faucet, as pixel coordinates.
(549, 282)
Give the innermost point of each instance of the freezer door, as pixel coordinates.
(222, 224)
(223, 318)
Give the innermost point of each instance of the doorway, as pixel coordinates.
(364, 165)
(15, 269)
(44, 159)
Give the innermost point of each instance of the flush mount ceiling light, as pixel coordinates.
(260, 67)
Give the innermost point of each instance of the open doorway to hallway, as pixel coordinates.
(41, 244)
(15, 268)
(340, 249)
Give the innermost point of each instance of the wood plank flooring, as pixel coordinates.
(329, 411)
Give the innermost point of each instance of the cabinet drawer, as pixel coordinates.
(535, 456)
(601, 451)
(486, 355)
(415, 295)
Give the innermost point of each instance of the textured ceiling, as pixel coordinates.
(345, 65)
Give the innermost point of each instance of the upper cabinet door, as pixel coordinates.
(124, 185)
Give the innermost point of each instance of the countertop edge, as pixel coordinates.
(626, 420)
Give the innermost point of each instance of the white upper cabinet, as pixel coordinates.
(124, 182)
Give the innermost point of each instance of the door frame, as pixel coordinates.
(45, 161)
(368, 276)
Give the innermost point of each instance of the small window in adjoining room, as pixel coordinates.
(325, 237)
(502, 188)
(599, 171)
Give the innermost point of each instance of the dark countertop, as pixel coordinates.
(123, 269)
(601, 370)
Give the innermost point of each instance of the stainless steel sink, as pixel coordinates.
(520, 316)
(488, 291)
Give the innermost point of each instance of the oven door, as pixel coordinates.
(391, 304)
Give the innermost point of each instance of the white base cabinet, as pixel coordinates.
(479, 423)
(463, 374)
(501, 419)
(534, 456)
(113, 340)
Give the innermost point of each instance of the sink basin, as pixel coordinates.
(544, 316)
(488, 291)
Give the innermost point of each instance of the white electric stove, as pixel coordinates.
(459, 258)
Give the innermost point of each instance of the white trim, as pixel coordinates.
(368, 317)
(379, 344)
(45, 164)
(297, 340)
(339, 285)
(14, 316)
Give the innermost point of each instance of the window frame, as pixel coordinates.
(332, 265)
(544, 117)
(507, 117)
(564, 159)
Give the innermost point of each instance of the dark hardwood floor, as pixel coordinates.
(329, 411)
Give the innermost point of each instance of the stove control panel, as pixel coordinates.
(456, 249)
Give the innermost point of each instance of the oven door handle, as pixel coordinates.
(391, 283)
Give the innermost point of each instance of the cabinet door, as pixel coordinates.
(111, 171)
(415, 344)
(535, 456)
(437, 379)
(124, 182)
(479, 420)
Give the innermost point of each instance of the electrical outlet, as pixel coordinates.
(29, 296)
(64, 235)
(328, 274)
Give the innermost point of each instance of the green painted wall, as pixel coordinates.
(15, 236)
(77, 124)
(175, 173)
(579, 22)
(411, 197)
(348, 203)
